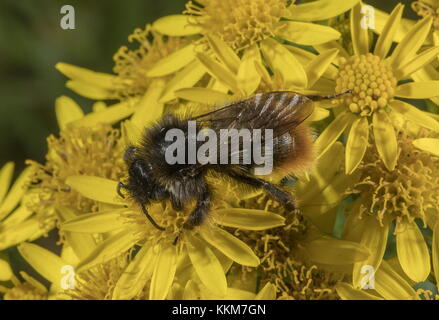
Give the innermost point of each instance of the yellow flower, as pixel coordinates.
(86, 145)
(309, 75)
(375, 79)
(134, 68)
(407, 193)
(17, 222)
(244, 23)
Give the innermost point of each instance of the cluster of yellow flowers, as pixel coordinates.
(367, 226)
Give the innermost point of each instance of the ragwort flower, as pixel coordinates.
(404, 195)
(375, 79)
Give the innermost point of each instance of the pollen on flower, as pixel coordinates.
(132, 65)
(96, 151)
(240, 23)
(283, 261)
(426, 9)
(370, 78)
(23, 290)
(406, 192)
(98, 283)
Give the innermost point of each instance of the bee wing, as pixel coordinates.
(280, 111)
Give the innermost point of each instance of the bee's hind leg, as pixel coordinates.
(285, 198)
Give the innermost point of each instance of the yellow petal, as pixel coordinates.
(385, 139)
(100, 222)
(412, 251)
(106, 250)
(374, 238)
(67, 110)
(149, 110)
(319, 114)
(335, 252)
(92, 78)
(321, 175)
(111, 114)
(207, 266)
(248, 219)
(417, 63)
(232, 247)
(95, 188)
(164, 272)
(357, 144)
(216, 70)
(333, 131)
(27, 230)
(305, 57)
(307, 34)
(185, 78)
(172, 62)
(387, 36)
(347, 292)
(248, 76)
(17, 216)
(360, 35)
(391, 285)
(46, 263)
(135, 276)
(418, 90)
(81, 243)
(5, 271)
(203, 95)
(414, 114)
(412, 42)
(224, 53)
(321, 10)
(6, 173)
(268, 292)
(381, 19)
(90, 91)
(283, 62)
(175, 25)
(317, 67)
(15, 193)
(428, 144)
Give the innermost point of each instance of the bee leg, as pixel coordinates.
(199, 214)
(285, 198)
(176, 203)
(150, 218)
(121, 186)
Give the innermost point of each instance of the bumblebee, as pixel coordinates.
(152, 178)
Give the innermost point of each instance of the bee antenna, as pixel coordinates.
(319, 98)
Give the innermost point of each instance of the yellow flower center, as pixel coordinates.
(132, 65)
(408, 191)
(240, 23)
(98, 283)
(23, 290)
(283, 260)
(426, 9)
(371, 80)
(94, 151)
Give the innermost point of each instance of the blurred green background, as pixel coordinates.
(32, 42)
